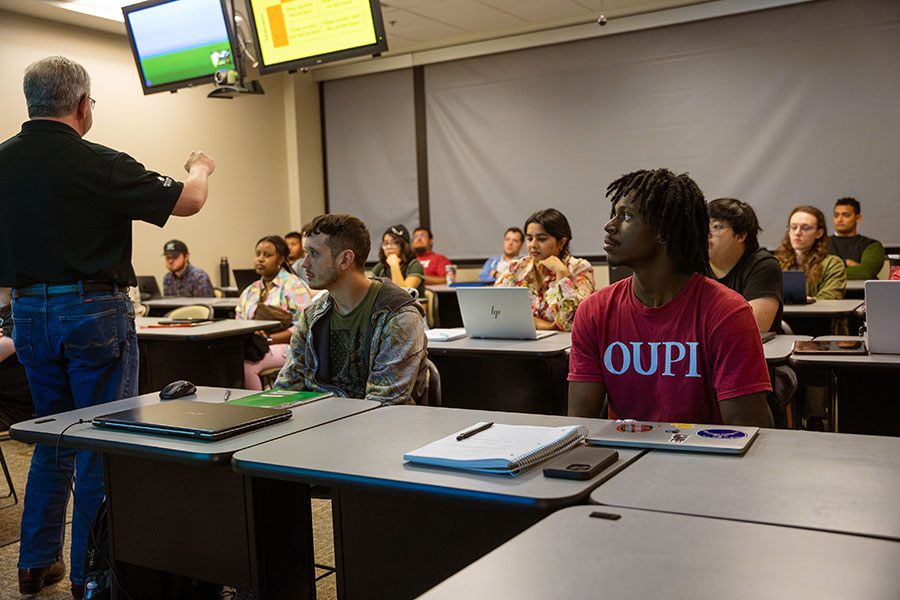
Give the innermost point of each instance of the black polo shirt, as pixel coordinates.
(66, 207)
(758, 275)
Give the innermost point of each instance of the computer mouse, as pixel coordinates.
(177, 389)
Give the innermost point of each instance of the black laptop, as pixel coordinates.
(244, 278)
(148, 287)
(794, 287)
(191, 419)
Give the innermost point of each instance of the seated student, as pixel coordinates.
(365, 338)
(16, 403)
(557, 280)
(512, 246)
(863, 257)
(397, 261)
(183, 278)
(667, 343)
(279, 288)
(739, 263)
(434, 264)
(294, 241)
(805, 247)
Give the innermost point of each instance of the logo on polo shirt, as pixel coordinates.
(166, 181)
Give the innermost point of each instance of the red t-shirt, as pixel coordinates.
(671, 363)
(434, 263)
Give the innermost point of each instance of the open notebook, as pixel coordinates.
(508, 449)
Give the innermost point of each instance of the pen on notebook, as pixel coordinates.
(227, 395)
(467, 434)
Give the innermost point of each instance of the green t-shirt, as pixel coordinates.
(349, 370)
(414, 267)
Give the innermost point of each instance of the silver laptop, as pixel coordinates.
(196, 420)
(794, 287)
(883, 317)
(723, 439)
(503, 313)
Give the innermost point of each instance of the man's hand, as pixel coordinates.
(851, 263)
(200, 159)
(556, 266)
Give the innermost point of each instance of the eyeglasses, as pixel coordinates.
(803, 228)
(93, 102)
(718, 228)
(389, 244)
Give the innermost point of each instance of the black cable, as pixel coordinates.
(90, 523)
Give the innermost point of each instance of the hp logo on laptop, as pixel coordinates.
(495, 311)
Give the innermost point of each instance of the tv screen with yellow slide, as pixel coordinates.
(291, 34)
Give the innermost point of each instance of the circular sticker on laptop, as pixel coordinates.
(634, 427)
(721, 434)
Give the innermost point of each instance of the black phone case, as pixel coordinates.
(584, 462)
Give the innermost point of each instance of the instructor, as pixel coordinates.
(65, 249)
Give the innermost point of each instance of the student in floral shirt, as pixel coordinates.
(557, 280)
(278, 287)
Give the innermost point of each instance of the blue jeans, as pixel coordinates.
(78, 350)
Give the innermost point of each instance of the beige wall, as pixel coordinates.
(258, 141)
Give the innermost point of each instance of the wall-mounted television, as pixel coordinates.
(290, 34)
(180, 43)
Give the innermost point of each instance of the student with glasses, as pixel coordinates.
(805, 248)
(397, 260)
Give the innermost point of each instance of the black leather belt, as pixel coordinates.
(87, 287)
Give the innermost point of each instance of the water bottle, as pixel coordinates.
(224, 271)
(90, 589)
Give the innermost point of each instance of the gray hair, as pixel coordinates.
(54, 86)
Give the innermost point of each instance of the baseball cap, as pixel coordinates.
(399, 230)
(175, 247)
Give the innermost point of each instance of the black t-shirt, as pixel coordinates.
(757, 275)
(68, 205)
(851, 247)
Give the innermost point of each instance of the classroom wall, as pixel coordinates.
(259, 142)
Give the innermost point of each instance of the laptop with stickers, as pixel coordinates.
(722, 439)
(502, 313)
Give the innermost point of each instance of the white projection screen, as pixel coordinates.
(789, 106)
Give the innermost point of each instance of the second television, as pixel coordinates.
(291, 34)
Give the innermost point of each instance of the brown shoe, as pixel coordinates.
(31, 581)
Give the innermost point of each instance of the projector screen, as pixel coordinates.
(178, 43)
(299, 33)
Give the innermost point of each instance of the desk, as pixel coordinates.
(655, 555)
(778, 349)
(510, 375)
(821, 317)
(176, 507)
(862, 389)
(856, 288)
(402, 528)
(222, 307)
(209, 354)
(834, 482)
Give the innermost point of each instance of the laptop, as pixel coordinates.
(190, 419)
(767, 336)
(794, 287)
(501, 313)
(148, 287)
(244, 278)
(722, 439)
(883, 317)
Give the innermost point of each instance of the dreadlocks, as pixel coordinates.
(674, 206)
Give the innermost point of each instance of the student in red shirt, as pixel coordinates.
(668, 343)
(435, 264)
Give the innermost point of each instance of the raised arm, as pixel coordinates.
(196, 187)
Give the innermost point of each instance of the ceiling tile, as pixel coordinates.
(468, 15)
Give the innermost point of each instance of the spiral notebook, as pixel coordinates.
(506, 449)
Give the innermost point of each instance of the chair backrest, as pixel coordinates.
(434, 385)
(193, 311)
(218, 293)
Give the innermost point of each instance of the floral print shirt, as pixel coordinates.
(553, 301)
(288, 293)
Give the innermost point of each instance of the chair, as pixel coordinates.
(193, 311)
(12, 489)
(430, 307)
(267, 378)
(433, 397)
(785, 328)
(218, 293)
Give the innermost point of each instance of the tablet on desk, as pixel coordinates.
(830, 347)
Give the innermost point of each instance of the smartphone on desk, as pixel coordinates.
(582, 462)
